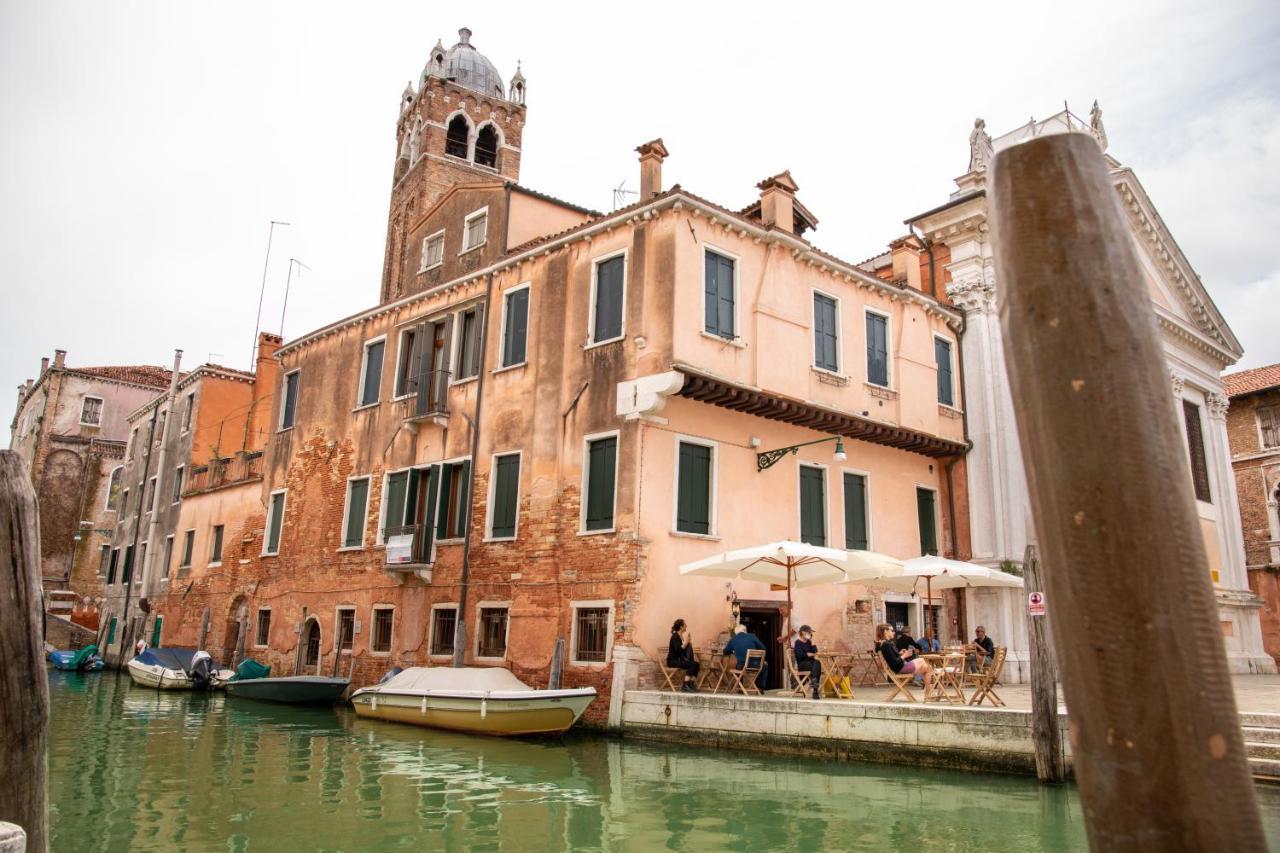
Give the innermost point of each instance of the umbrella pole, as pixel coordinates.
(928, 616)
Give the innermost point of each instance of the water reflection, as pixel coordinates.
(136, 769)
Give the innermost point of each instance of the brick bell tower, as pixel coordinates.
(459, 126)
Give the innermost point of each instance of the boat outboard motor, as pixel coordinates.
(202, 670)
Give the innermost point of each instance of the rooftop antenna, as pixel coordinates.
(288, 279)
(257, 323)
(620, 193)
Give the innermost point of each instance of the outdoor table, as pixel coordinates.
(946, 678)
(835, 666)
(863, 669)
(715, 664)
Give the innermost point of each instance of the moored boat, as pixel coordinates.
(80, 660)
(479, 700)
(174, 668)
(290, 689)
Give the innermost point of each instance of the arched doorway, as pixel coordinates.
(311, 649)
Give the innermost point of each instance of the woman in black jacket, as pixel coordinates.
(903, 661)
(680, 655)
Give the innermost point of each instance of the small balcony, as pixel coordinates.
(222, 472)
(429, 399)
(408, 549)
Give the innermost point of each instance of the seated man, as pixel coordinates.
(807, 660)
(904, 640)
(983, 651)
(742, 642)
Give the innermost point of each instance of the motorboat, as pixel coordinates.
(78, 660)
(290, 689)
(479, 700)
(175, 668)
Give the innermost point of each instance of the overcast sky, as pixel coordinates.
(145, 146)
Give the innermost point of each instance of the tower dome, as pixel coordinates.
(472, 69)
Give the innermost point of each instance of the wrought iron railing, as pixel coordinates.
(430, 399)
(225, 472)
(419, 553)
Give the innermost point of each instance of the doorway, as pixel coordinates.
(311, 657)
(764, 619)
(897, 613)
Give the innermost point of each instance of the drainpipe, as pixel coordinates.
(460, 627)
(153, 526)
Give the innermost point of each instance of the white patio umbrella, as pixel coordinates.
(795, 564)
(941, 573)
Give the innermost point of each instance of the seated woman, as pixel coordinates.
(903, 661)
(680, 655)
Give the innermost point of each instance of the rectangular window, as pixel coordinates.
(719, 285)
(443, 622)
(602, 456)
(188, 548)
(926, 509)
(393, 515)
(1195, 445)
(142, 563)
(126, 571)
(693, 488)
(357, 502)
(215, 552)
(591, 634)
(104, 559)
(111, 631)
(1269, 425)
(111, 567)
(263, 634)
(124, 504)
(275, 520)
(506, 488)
(346, 628)
(432, 251)
(289, 406)
(151, 494)
(813, 505)
(493, 632)
(515, 326)
(878, 349)
(91, 411)
(942, 356)
(177, 483)
(477, 230)
(381, 640)
(826, 333)
(469, 329)
(451, 522)
(371, 372)
(607, 298)
(855, 513)
(168, 554)
(187, 408)
(406, 370)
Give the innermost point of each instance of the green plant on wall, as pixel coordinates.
(1011, 568)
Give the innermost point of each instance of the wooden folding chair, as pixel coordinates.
(743, 678)
(901, 681)
(985, 681)
(796, 676)
(674, 677)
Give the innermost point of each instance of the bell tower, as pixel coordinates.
(460, 124)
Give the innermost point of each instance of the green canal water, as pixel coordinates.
(138, 769)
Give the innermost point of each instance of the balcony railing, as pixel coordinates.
(430, 396)
(409, 547)
(242, 467)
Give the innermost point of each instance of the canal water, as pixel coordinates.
(137, 769)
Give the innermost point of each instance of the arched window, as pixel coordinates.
(487, 147)
(456, 142)
(113, 488)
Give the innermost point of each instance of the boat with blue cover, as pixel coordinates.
(175, 668)
(77, 660)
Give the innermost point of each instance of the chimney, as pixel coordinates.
(59, 358)
(44, 365)
(777, 202)
(652, 154)
(906, 254)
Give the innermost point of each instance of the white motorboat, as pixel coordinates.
(173, 668)
(480, 700)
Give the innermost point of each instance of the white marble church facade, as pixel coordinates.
(1198, 346)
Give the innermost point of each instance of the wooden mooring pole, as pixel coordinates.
(1155, 737)
(24, 686)
(1051, 765)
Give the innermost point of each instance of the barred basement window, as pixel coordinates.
(591, 634)
(493, 632)
(443, 622)
(346, 628)
(1195, 446)
(381, 640)
(264, 627)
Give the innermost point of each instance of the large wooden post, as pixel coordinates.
(24, 686)
(1155, 735)
(1050, 763)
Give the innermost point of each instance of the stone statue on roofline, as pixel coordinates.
(1095, 126)
(980, 149)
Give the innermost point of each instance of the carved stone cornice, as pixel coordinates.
(1178, 382)
(1217, 405)
(973, 297)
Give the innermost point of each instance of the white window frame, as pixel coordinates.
(102, 407)
(591, 314)
(866, 476)
(937, 515)
(888, 346)
(502, 339)
(737, 263)
(423, 266)
(183, 556)
(955, 376)
(149, 492)
(455, 343)
(346, 508)
(178, 483)
(337, 627)
(713, 509)
(168, 554)
(586, 470)
(398, 380)
(284, 401)
(826, 500)
(466, 229)
(475, 639)
(382, 504)
(813, 337)
(266, 528)
(440, 495)
(212, 564)
(493, 488)
(431, 628)
(373, 629)
(364, 369)
(256, 617)
(574, 607)
(188, 412)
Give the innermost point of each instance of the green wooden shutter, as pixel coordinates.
(356, 501)
(942, 355)
(813, 506)
(447, 472)
(397, 487)
(155, 632)
(515, 331)
(928, 521)
(693, 490)
(877, 350)
(127, 573)
(855, 512)
(609, 295)
(727, 295)
(111, 631)
(825, 337)
(601, 473)
(277, 520)
(505, 492)
(711, 293)
(433, 491)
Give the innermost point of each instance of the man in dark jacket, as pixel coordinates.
(807, 660)
(742, 642)
(983, 650)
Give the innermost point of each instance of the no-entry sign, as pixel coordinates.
(1035, 604)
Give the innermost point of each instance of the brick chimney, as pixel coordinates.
(652, 154)
(778, 202)
(906, 253)
(44, 365)
(59, 358)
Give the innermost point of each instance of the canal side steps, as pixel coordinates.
(1262, 745)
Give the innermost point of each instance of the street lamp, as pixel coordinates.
(769, 457)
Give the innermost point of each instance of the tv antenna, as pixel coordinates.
(620, 193)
